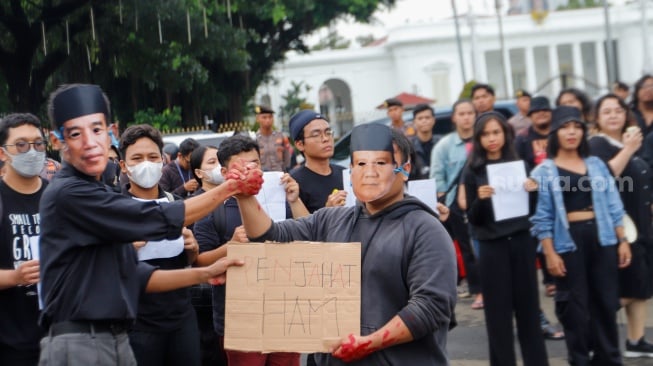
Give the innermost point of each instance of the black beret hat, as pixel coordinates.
(392, 102)
(301, 119)
(261, 109)
(539, 104)
(564, 114)
(371, 137)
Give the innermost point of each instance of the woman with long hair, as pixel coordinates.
(579, 223)
(507, 254)
(617, 144)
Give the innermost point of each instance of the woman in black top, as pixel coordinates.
(617, 145)
(507, 254)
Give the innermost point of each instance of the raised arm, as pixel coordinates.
(240, 180)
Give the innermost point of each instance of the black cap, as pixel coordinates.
(564, 114)
(539, 104)
(522, 93)
(301, 119)
(80, 100)
(392, 102)
(371, 137)
(261, 109)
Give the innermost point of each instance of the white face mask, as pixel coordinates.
(145, 174)
(215, 175)
(28, 164)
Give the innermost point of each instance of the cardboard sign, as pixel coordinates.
(293, 297)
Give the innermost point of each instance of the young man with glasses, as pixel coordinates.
(320, 181)
(23, 152)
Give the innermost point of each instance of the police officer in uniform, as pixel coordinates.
(273, 145)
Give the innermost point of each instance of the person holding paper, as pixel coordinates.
(447, 161)
(320, 180)
(90, 276)
(408, 270)
(579, 223)
(23, 152)
(223, 225)
(507, 255)
(617, 145)
(167, 318)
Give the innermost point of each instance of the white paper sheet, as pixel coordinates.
(160, 248)
(510, 199)
(272, 196)
(424, 190)
(34, 242)
(346, 183)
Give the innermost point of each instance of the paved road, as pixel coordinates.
(467, 343)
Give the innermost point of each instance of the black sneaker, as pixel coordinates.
(641, 349)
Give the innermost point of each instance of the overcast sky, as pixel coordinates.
(411, 11)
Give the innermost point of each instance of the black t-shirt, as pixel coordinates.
(531, 147)
(164, 311)
(635, 185)
(19, 308)
(480, 212)
(314, 189)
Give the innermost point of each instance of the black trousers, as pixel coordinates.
(177, 347)
(507, 266)
(587, 298)
(460, 232)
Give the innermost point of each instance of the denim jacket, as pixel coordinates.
(447, 160)
(550, 218)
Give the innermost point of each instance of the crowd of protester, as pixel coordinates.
(77, 287)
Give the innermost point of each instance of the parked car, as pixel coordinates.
(442, 126)
(203, 137)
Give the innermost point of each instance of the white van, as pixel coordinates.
(208, 138)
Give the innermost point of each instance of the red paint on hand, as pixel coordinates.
(353, 349)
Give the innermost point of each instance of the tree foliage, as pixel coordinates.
(141, 53)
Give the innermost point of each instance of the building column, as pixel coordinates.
(601, 66)
(507, 67)
(579, 70)
(554, 69)
(531, 78)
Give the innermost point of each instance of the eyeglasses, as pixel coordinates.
(24, 146)
(315, 134)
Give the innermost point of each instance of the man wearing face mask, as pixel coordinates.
(23, 152)
(91, 278)
(408, 266)
(163, 318)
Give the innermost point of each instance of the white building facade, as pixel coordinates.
(567, 48)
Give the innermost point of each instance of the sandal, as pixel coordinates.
(551, 333)
(477, 305)
(550, 290)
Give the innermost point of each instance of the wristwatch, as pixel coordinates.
(623, 239)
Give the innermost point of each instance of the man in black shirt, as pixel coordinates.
(424, 140)
(320, 183)
(531, 143)
(91, 276)
(23, 149)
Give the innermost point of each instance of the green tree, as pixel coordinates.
(232, 48)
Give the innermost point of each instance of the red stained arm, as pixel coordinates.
(355, 347)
